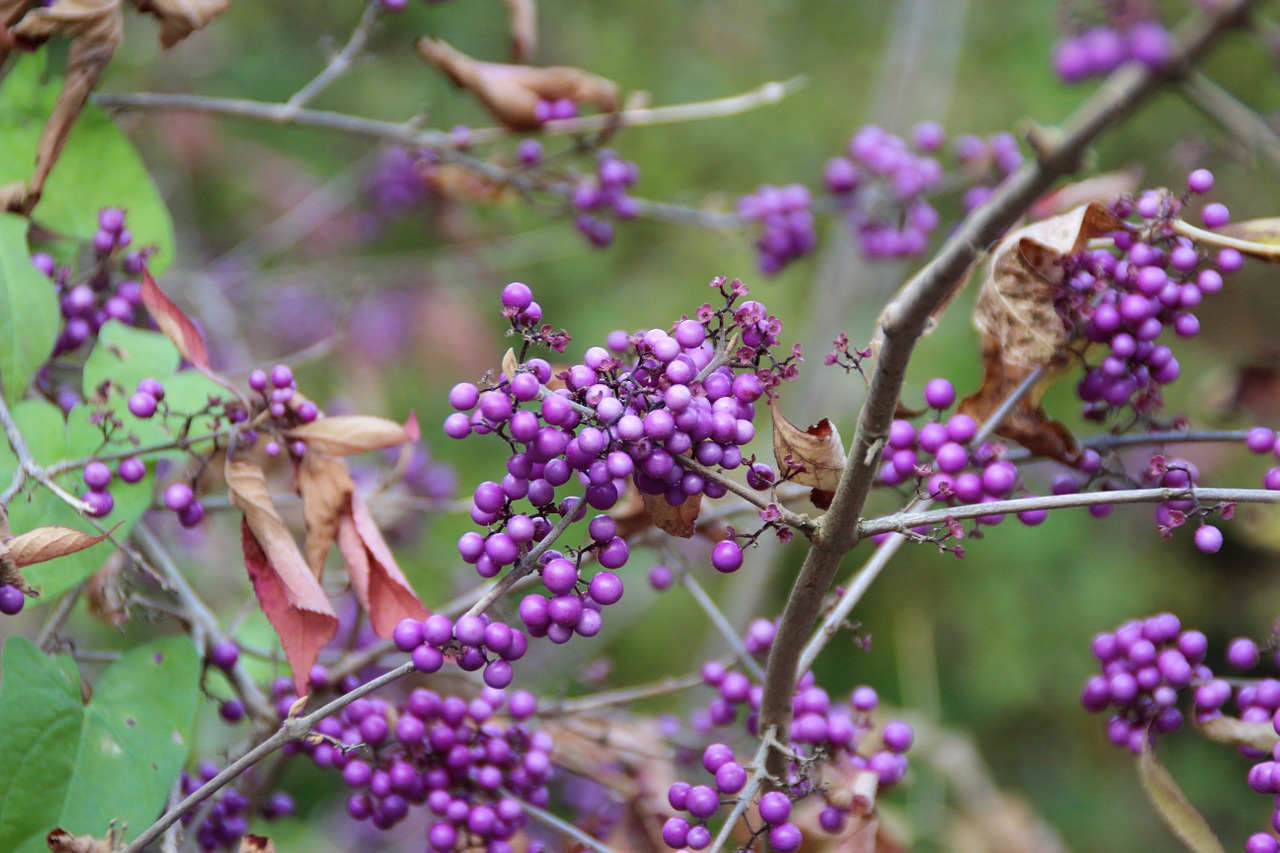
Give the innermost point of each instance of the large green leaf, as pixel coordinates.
(63, 763)
(51, 439)
(98, 168)
(28, 308)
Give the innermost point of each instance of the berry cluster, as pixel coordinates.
(472, 642)
(1146, 664)
(398, 181)
(91, 301)
(605, 191)
(1099, 50)
(626, 414)
(786, 224)
(455, 756)
(226, 822)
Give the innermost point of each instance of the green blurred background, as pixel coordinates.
(996, 645)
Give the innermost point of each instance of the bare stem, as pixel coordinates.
(723, 625)
(27, 467)
(341, 61)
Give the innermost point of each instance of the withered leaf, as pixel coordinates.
(1173, 806)
(49, 543)
(176, 325)
(1233, 730)
(290, 595)
(61, 841)
(326, 487)
(813, 456)
(105, 592)
(524, 28)
(1022, 331)
(673, 520)
(512, 92)
(1258, 238)
(343, 435)
(510, 364)
(379, 585)
(1097, 188)
(96, 28)
(256, 844)
(180, 18)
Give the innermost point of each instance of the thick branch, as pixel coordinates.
(904, 320)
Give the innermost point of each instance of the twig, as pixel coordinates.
(27, 467)
(722, 625)
(341, 61)
(1240, 120)
(1223, 241)
(803, 523)
(622, 696)
(748, 793)
(49, 630)
(903, 321)
(568, 830)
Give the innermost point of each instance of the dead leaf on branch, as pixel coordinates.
(49, 543)
(379, 585)
(61, 841)
(96, 28)
(1022, 331)
(343, 435)
(1173, 806)
(325, 485)
(512, 92)
(256, 844)
(1233, 730)
(524, 28)
(810, 457)
(289, 594)
(180, 18)
(673, 520)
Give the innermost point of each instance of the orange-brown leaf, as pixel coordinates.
(180, 18)
(288, 592)
(176, 325)
(512, 92)
(256, 844)
(1173, 806)
(813, 457)
(49, 543)
(325, 486)
(673, 520)
(343, 435)
(379, 585)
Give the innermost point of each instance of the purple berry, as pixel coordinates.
(178, 496)
(142, 405)
(939, 393)
(1209, 539)
(1243, 653)
(1215, 215)
(1200, 181)
(726, 556)
(775, 808)
(100, 503)
(97, 475)
(224, 654)
(11, 600)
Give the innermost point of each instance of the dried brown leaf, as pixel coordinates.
(176, 325)
(510, 364)
(61, 841)
(1233, 730)
(379, 585)
(813, 456)
(1022, 331)
(512, 92)
(1173, 806)
(288, 592)
(256, 844)
(49, 543)
(524, 29)
(96, 28)
(326, 487)
(343, 435)
(105, 593)
(1101, 188)
(673, 520)
(457, 182)
(180, 18)
(13, 196)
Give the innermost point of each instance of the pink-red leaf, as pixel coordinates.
(379, 585)
(290, 595)
(344, 435)
(176, 325)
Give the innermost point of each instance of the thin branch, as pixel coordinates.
(568, 830)
(803, 523)
(722, 624)
(49, 630)
(1241, 121)
(27, 467)
(903, 322)
(621, 696)
(341, 61)
(748, 793)
(1224, 241)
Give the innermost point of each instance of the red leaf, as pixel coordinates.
(176, 325)
(379, 585)
(290, 596)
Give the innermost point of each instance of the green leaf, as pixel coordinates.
(52, 439)
(28, 309)
(1173, 806)
(98, 168)
(80, 767)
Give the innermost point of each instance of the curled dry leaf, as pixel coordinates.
(106, 594)
(176, 325)
(343, 435)
(512, 92)
(325, 485)
(524, 28)
(49, 543)
(96, 28)
(1233, 730)
(1022, 331)
(256, 844)
(180, 18)
(379, 585)
(1173, 806)
(811, 457)
(1097, 188)
(673, 520)
(288, 592)
(1258, 238)
(61, 841)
